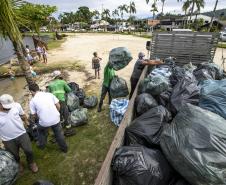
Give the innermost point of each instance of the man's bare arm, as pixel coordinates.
(24, 119)
(57, 106)
(152, 62)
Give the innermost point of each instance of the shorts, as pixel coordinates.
(96, 66)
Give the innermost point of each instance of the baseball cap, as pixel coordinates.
(56, 73)
(7, 101)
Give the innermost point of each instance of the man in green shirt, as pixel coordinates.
(59, 87)
(109, 74)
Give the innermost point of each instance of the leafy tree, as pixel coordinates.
(36, 14)
(123, 8)
(153, 7)
(9, 27)
(67, 17)
(84, 14)
(96, 14)
(106, 14)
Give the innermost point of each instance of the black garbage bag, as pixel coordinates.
(215, 71)
(185, 91)
(202, 74)
(81, 95)
(138, 165)
(119, 58)
(118, 88)
(32, 131)
(213, 96)
(147, 128)
(164, 98)
(144, 102)
(178, 74)
(72, 101)
(194, 143)
(9, 168)
(153, 85)
(90, 102)
(43, 182)
(79, 117)
(74, 86)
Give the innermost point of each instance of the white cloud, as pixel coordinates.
(143, 10)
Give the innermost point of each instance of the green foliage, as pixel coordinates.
(37, 14)
(106, 14)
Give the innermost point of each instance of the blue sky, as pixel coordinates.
(143, 10)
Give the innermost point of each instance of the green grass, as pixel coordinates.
(87, 150)
(221, 45)
(41, 68)
(53, 44)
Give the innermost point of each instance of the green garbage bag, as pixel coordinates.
(90, 102)
(9, 168)
(119, 58)
(72, 101)
(154, 85)
(79, 117)
(118, 88)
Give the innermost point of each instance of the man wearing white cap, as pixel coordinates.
(138, 68)
(12, 131)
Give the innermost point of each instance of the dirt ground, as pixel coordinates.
(81, 47)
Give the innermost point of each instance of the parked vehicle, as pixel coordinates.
(223, 36)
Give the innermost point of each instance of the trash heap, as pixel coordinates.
(78, 104)
(119, 58)
(178, 135)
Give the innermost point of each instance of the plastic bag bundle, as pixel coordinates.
(90, 102)
(81, 95)
(185, 91)
(202, 74)
(144, 102)
(178, 73)
(194, 143)
(79, 117)
(213, 96)
(72, 101)
(154, 85)
(138, 165)
(118, 88)
(74, 86)
(9, 168)
(118, 108)
(147, 128)
(119, 58)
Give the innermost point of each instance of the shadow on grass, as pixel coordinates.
(87, 150)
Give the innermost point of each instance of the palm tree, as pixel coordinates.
(9, 22)
(185, 7)
(115, 14)
(132, 8)
(96, 14)
(123, 8)
(106, 14)
(153, 6)
(163, 3)
(213, 15)
(199, 4)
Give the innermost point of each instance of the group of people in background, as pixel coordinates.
(49, 108)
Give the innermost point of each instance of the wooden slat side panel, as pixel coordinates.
(105, 174)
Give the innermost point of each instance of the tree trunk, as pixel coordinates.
(19, 48)
(163, 6)
(214, 13)
(192, 10)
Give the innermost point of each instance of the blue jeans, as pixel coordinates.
(58, 133)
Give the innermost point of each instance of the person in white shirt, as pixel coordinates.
(39, 52)
(12, 131)
(46, 107)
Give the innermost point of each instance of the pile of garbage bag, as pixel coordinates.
(9, 168)
(144, 102)
(118, 108)
(90, 102)
(154, 85)
(147, 128)
(213, 96)
(119, 58)
(138, 165)
(194, 143)
(72, 101)
(118, 88)
(79, 117)
(182, 116)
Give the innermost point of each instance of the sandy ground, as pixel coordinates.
(81, 47)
